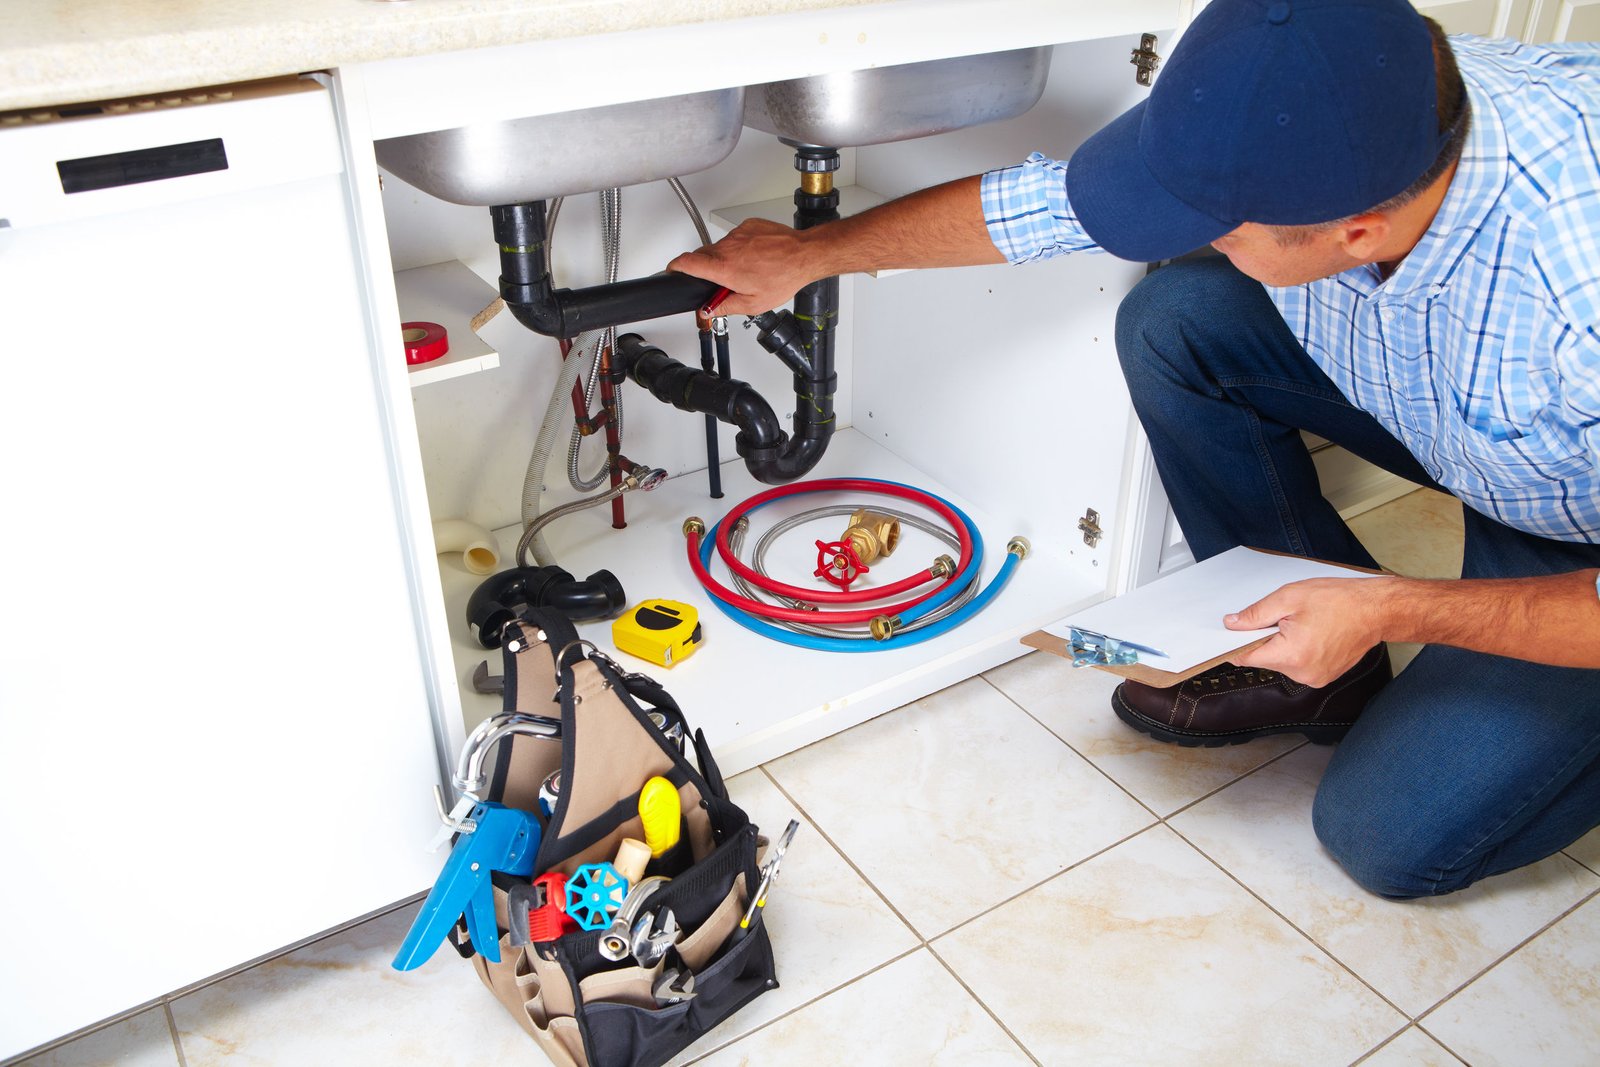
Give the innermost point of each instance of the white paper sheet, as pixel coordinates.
(1181, 614)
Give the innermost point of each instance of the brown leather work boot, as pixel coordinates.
(1229, 705)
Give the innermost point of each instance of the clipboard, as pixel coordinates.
(1182, 612)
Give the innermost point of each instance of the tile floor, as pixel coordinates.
(1002, 873)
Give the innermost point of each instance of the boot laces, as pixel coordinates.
(1226, 675)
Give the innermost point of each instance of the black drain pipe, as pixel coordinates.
(816, 314)
(803, 340)
(531, 296)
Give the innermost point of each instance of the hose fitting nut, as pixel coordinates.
(943, 567)
(694, 525)
(884, 626)
(1018, 546)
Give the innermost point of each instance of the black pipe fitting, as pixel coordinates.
(780, 335)
(772, 456)
(503, 597)
(521, 232)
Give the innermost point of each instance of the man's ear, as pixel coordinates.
(1363, 236)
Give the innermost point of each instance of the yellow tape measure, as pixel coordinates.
(664, 632)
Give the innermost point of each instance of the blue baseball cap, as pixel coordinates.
(1284, 112)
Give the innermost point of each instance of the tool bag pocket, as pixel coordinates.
(730, 965)
(585, 1009)
(620, 1033)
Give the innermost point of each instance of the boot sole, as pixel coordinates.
(1316, 733)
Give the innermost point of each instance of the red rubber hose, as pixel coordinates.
(760, 580)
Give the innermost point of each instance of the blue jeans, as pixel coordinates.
(1467, 764)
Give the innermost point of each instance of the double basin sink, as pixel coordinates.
(548, 156)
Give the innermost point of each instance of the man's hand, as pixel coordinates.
(1324, 626)
(762, 262)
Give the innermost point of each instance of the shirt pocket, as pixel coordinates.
(1511, 457)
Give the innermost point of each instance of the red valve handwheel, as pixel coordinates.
(838, 564)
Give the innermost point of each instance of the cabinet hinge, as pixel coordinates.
(1145, 59)
(1090, 525)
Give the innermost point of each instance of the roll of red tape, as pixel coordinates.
(425, 341)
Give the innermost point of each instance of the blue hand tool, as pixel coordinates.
(595, 893)
(502, 839)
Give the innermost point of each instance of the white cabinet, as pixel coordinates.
(1527, 20)
(996, 387)
(232, 668)
(217, 732)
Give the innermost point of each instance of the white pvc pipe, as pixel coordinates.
(476, 545)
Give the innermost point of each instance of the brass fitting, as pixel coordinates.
(694, 524)
(816, 183)
(1018, 546)
(943, 567)
(872, 535)
(884, 626)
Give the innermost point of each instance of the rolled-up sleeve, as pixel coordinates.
(1026, 210)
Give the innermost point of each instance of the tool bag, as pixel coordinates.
(584, 1009)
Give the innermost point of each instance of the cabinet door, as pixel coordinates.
(217, 739)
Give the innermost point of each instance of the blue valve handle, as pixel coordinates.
(595, 893)
(505, 840)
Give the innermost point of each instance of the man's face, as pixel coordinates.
(1263, 253)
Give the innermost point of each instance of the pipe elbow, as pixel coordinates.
(757, 422)
(792, 459)
(504, 597)
(541, 316)
(479, 553)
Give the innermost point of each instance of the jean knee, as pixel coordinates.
(1161, 316)
(1369, 842)
(1150, 307)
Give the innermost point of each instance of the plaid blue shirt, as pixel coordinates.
(1480, 352)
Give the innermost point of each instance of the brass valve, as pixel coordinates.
(872, 535)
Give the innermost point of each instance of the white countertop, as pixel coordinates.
(69, 51)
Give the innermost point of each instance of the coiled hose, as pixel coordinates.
(921, 618)
(759, 555)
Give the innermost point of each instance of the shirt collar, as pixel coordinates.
(1479, 179)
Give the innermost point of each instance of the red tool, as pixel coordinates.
(709, 308)
(549, 920)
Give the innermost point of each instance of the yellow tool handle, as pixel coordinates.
(661, 812)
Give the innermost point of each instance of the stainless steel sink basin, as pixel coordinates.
(547, 156)
(896, 103)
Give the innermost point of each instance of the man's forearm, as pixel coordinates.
(1553, 619)
(938, 227)
(765, 263)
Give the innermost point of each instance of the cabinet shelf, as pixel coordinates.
(457, 299)
(727, 687)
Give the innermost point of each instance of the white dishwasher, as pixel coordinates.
(217, 738)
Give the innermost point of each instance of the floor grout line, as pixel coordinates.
(1592, 868)
(962, 982)
(1518, 947)
(1435, 1039)
(815, 825)
(1293, 925)
(868, 973)
(172, 1029)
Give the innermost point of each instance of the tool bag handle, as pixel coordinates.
(609, 749)
(528, 651)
